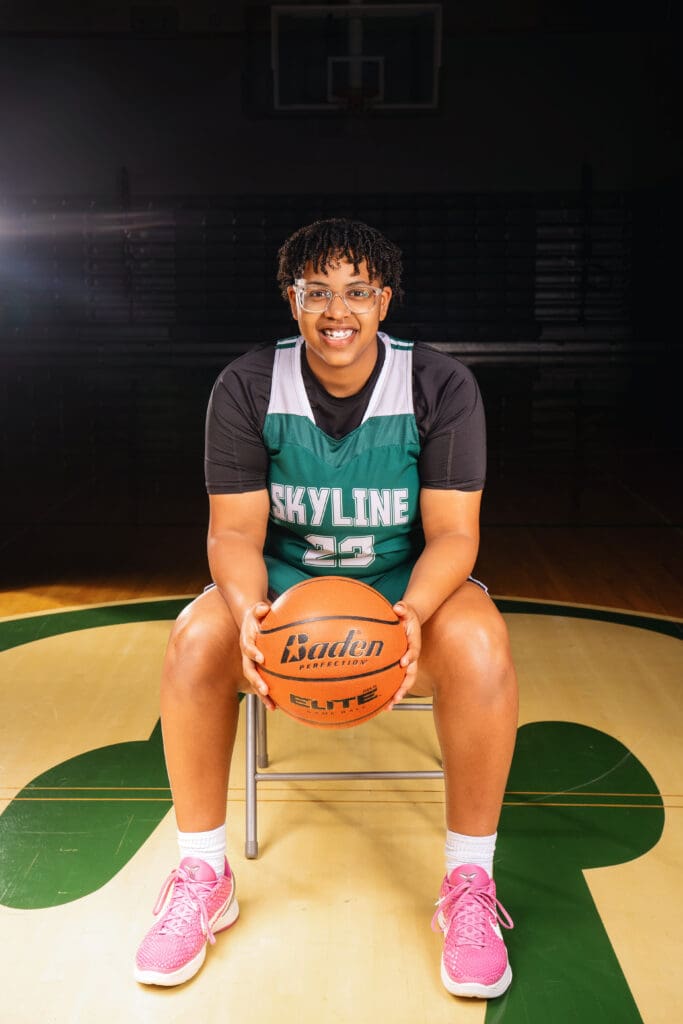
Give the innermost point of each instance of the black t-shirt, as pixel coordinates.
(448, 409)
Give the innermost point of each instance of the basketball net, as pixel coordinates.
(354, 100)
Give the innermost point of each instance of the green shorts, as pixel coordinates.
(392, 584)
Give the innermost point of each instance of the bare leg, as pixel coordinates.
(199, 710)
(467, 666)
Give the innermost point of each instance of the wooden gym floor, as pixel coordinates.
(336, 909)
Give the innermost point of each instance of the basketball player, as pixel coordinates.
(301, 439)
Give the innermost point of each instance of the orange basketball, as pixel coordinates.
(332, 648)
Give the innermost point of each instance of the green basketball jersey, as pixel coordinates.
(347, 506)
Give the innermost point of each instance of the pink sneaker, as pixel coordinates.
(474, 960)
(200, 905)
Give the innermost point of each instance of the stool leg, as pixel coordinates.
(261, 735)
(251, 844)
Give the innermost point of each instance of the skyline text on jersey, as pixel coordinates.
(370, 506)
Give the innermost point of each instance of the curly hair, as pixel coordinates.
(324, 242)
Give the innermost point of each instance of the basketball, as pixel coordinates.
(331, 649)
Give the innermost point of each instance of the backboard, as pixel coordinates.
(356, 56)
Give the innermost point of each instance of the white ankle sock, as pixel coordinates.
(207, 846)
(477, 850)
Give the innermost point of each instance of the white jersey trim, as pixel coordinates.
(393, 392)
(391, 396)
(288, 392)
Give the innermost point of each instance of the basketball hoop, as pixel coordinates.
(355, 57)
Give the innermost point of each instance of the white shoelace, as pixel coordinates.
(188, 899)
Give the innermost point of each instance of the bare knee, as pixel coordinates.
(202, 654)
(484, 641)
(474, 651)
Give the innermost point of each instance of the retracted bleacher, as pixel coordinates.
(116, 318)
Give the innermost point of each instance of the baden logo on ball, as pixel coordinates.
(352, 650)
(332, 648)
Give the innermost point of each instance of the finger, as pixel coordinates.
(261, 690)
(407, 685)
(265, 699)
(251, 630)
(252, 676)
(267, 702)
(407, 618)
(412, 652)
(398, 696)
(251, 651)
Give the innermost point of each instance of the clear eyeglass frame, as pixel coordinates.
(300, 289)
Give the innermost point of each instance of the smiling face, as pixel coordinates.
(341, 346)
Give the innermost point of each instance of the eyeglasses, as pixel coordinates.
(358, 298)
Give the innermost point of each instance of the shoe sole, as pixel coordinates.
(473, 990)
(224, 918)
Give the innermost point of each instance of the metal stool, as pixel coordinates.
(257, 758)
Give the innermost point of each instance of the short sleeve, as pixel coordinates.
(451, 422)
(235, 457)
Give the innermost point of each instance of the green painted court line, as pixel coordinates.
(571, 611)
(14, 632)
(97, 788)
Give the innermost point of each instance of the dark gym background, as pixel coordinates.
(146, 184)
